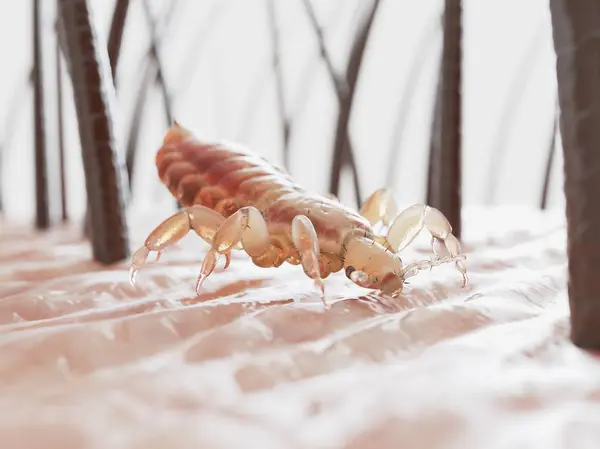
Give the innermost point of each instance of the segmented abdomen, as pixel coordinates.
(218, 175)
(225, 177)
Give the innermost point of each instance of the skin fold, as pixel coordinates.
(89, 361)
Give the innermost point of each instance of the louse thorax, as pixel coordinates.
(370, 265)
(332, 221)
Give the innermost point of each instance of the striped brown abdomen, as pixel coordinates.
(221, 177)
(225, 177)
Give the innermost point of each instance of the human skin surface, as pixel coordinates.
(89, 361)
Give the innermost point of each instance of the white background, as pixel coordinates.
(509, 93)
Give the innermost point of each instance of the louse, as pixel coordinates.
(236, 200)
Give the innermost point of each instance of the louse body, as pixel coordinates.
(236, 200)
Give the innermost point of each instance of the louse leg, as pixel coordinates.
(246, 227)
(204, 221)
(306, 242)
(414, 268)
(409, 223)
(380, 206)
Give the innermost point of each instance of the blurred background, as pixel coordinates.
(217, 57)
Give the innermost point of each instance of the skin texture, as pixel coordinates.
(88, 361)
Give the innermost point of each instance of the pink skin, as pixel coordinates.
(90, 361)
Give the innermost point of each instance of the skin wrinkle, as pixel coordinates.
(297, 374)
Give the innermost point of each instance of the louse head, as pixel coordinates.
(370, 265)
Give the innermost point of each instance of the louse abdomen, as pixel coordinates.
(207, 174)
